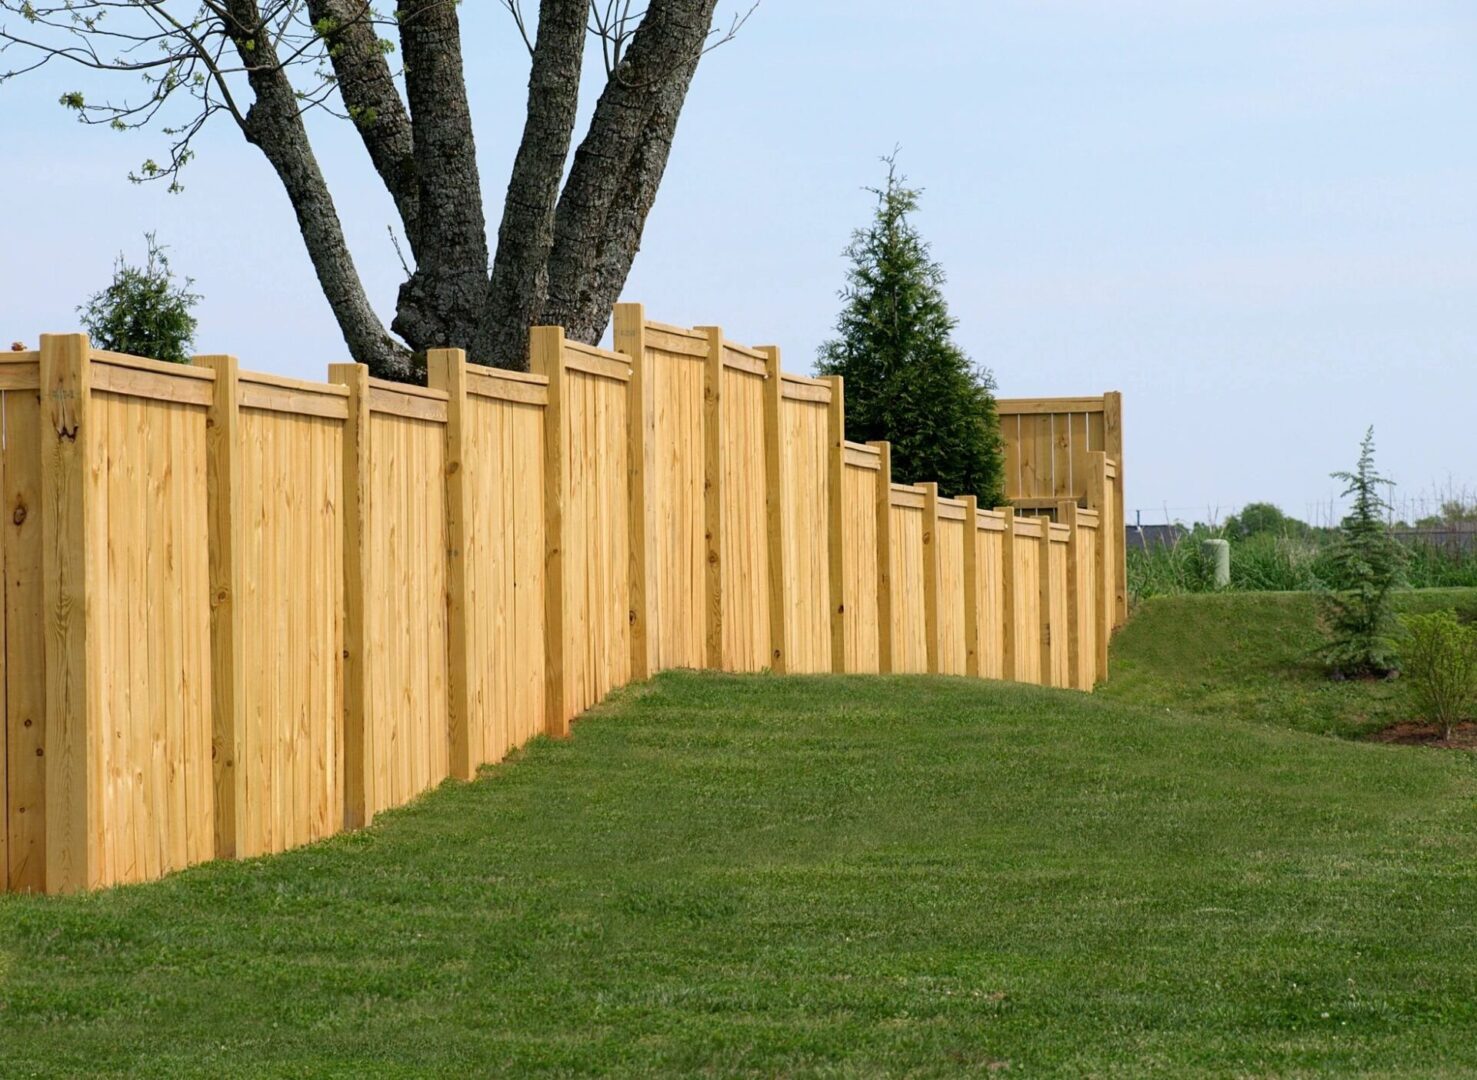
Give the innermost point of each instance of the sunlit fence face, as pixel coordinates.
(243, 612)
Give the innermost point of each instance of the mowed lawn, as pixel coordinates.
(812, 876)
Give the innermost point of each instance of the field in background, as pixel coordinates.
(1281, 564)
(831, 875)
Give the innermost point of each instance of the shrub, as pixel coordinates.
(1365, 563)
(1438, 658)
(143, 312)
(906, 379)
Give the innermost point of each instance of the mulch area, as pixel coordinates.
(1418, 733)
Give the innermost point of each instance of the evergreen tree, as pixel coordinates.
(1367, 563)
(143, 312)
(906, 380)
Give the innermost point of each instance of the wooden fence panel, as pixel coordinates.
(744, 570)
(289, 542)
(806, 529)
(859, 484)
(406, 712)
(587, 523)
(1057, 630)
(1085, 597)
(989, 599)
(909, 616)
(952, 647)
(1026, 631)
(242, 612)
(673, 413)
(22, 646)
(155, 802)
(504, 462)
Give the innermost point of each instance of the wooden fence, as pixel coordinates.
(1060, 451)
(243, 612)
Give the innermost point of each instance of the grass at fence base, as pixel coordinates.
(1253, 656)
(811, 876)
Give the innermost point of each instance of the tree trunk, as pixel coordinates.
(520, 270)
(440, 306)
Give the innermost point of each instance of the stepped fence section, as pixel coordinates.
(243, 612)
(1052, 448)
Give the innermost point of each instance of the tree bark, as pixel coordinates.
(274, 125)
(369, 92)
(625, 149)
(442, 302)
(520, 269)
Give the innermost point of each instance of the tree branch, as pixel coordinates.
(515, 294)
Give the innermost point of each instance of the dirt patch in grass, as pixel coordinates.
(1419, 733)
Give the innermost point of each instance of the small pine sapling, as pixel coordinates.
(1367, 564)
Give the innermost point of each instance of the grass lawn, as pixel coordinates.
(1252, 656)
(816, 876)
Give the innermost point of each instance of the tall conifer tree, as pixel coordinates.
(906, 380)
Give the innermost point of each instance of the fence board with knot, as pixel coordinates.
(243, 613)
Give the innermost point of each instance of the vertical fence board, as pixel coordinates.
(806, 536)
(744, 568)
(23, 633)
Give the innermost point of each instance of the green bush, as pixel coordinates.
(143, 312)
(1438, 659)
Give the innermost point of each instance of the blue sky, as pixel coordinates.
(1257, 219)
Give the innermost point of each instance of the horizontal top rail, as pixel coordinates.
(743, 358)
(516, 386)
(598, 362)
(863, 457)
(989, 520)
(17, 372)
(1025, 526)
(411, 402)
(282, 382)
(908, 496)
(951, 509)
(801, 388)
(1060, 534)
(1040, 406)
(20, 356)
(160, 367)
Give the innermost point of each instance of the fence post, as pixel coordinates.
(1078, 674)
(1113, 447)
(227, 632)
(446, 369)
(547, 345)
(931, 574)
(971, 586)
(1007, 595)
(884, 556)
(774, 505)
(629, 336)
(1109, 539)
(71, 563)
(836, 517)
(357, 767)
(713, 498)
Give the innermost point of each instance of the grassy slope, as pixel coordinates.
(1252, 656)
(811, 876)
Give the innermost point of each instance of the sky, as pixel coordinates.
(1256, 218)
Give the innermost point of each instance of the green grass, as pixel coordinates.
(813, 877)
(1281, 563)
(1252, 656)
